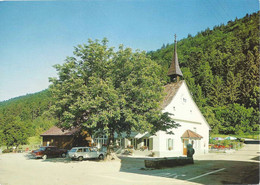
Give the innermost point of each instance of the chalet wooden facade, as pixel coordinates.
(65, 138)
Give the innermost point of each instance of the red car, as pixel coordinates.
(49, 151)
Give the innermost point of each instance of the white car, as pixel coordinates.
(81, 153)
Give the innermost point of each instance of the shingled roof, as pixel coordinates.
(170, 90)
(191, 135)
(55, 131)
(174, 69)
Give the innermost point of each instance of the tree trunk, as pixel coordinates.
(110, 144)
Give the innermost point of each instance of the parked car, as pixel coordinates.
(49, 151)
(81, 153)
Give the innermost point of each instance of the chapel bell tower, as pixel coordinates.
(174, 71)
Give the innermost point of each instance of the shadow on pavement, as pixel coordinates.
(202, 171)
(256, 158)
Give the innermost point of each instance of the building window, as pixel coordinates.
(100, 141)
(174, 108)
(169, 144)
(132, 142)
(184, 100)
(146, 142)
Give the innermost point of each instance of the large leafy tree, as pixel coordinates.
(100, 89)
(14, 132)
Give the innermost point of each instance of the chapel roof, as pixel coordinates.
(56, 131)
(170, 91)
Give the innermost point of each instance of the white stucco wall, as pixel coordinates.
(186, 113)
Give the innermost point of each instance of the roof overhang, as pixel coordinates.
(191, 135)
(56, 131)
(139, 136)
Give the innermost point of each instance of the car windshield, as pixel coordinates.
(73, 150)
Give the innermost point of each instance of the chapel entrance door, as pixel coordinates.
(185, 142)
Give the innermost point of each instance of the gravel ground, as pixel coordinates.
(240, 167)
(18, 169)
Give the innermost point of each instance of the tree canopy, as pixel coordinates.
(13, 132)
(100, 89)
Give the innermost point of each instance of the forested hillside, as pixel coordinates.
(221, 68)
(25, 116)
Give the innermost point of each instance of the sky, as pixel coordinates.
(35, 35)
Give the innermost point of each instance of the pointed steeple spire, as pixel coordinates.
(174, 70)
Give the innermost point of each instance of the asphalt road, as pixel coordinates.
(240, 167)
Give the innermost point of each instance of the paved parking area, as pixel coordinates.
(241, 167)
(17, 169)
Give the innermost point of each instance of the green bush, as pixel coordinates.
(7, 150)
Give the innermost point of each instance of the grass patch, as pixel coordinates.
(252, 135)
(33, 143)
(35, 140)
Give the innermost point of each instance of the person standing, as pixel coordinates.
(190, 152)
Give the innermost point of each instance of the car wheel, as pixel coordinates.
(63, 155)
(44, 157)
(80, 158)
(101, 157)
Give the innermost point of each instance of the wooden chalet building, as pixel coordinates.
(65, 138)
